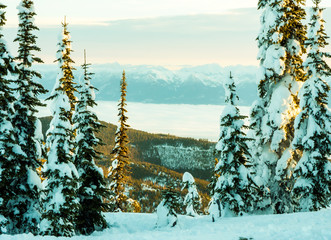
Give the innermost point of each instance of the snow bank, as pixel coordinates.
(127, 226)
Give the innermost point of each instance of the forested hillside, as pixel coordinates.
(156, 159)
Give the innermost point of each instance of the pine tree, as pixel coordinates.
(92, 187)
(281, 44)
(119, 170)
(65, 62)
(61, 205)
(10, 151)
(27, 126)
(192, 200)
(312, 174)
(233, 189)
(166, 210)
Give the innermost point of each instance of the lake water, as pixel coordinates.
(184, 120)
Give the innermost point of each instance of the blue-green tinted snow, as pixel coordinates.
(133, 226)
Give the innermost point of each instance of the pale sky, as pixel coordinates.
(156, 32)
(97, 11)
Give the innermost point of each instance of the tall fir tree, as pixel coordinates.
(120, 170)
(312, 175)
(10, 151)
(92, 188)
(65, 62)
(27, 126)
(61, 205)
(234, 186)
(281, 45)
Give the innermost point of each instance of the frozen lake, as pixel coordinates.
(184, 120)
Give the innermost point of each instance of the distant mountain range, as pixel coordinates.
(156, 84)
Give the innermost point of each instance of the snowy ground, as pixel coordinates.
(184, 120)
(141, 226)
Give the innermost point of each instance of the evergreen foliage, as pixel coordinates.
(166, 210)
(92, 189)
(312, 174)
(10, 151)
(234, 186)
(61, 205)
(192, 200)
(27, 186)
(281, 45)
(65, 62)
(119, 170)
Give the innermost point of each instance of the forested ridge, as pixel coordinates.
(148, 176)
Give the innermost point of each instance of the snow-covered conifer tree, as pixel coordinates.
(61, 205)
(65, 61)
(192, 200)
(233, 189)
(120, 163)
(281, 45)
(166, 210)
(10, 151)
(92, 187)
(312, 174)
(27, 187)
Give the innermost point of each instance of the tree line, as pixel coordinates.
(283, 165)
(69, 196)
